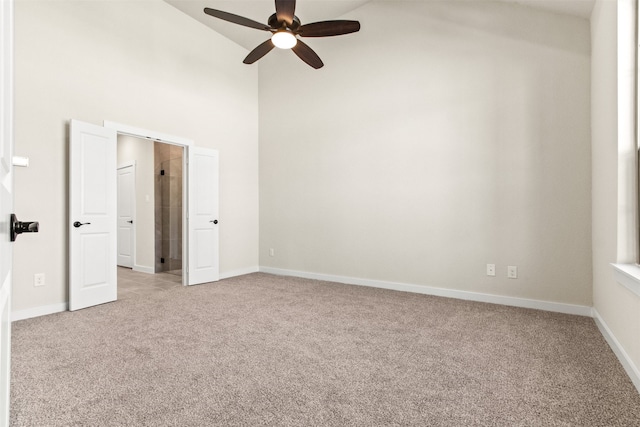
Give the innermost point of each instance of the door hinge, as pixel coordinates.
(162, 172)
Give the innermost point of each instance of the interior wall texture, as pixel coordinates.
(140, 152)
(140, 63)
(419, 156)
(617, 306)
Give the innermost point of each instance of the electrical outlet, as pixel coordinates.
(491, 269)
(512, 272)
(272, 252)
(38, 279)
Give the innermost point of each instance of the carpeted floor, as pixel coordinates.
(268, 350)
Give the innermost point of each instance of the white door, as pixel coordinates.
(92, 215)
(126, 213)
(6, 201)
(203, 216)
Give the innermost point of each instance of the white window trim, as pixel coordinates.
(628, 275)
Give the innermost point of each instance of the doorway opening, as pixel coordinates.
(93, 210)
(169, 178)
(151, 194)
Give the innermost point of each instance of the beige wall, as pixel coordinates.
(415, 156)
(419, 156)
(141, 63)
(140, 151)
(618, 307)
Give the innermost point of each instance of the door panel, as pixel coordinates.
(92, 203)
(205, 257)
(126, 209)
(93, 249)
(94, 174)
(203, 216)
(6, 201)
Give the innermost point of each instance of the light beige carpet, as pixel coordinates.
(268, 350)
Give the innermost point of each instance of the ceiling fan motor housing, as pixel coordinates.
(273, 23)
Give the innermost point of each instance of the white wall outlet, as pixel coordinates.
(512, 272)
(38, 279)
(272, 252)
(491, 269)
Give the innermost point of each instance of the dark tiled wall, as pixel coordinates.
(168, 206)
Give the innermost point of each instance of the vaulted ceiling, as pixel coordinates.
(321, 10)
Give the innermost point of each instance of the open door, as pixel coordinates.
(92, 215)
(6, 201)
(126, 209)
(202, 218)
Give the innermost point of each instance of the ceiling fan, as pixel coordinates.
(285, 26)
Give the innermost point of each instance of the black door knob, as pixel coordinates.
(19, 227)
(215, 221)
(79, 224)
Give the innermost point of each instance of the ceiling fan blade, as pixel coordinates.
(328, 28)
(259, 52)
(307, 54)
(285, 11)
(236, 19)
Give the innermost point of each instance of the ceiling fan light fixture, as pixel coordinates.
(284, 39)
(285, 28)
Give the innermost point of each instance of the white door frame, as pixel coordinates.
(136, 132)
(132, 164)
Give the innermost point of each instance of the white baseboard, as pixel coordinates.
(626, 362)
(628, 365)
(38, 311)
(144, 269)
(579, 310)
(239, 272)
(420, 289)
(57, 308)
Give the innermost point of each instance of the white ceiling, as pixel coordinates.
(321, 10)
(260, 10)
(580, 8)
